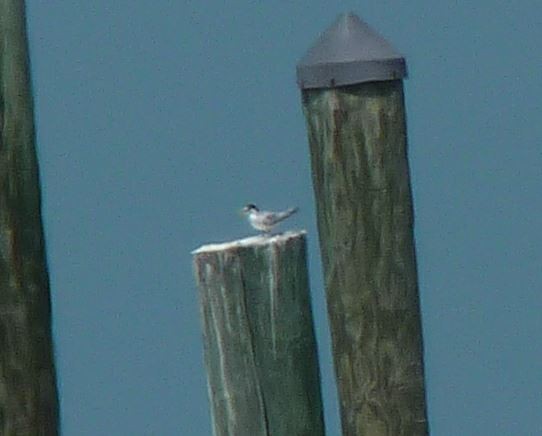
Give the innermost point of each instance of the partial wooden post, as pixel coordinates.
(28, 393)
(354, 108)
(260, 348)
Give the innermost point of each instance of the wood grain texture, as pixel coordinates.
(358, 149)
(260, 349)
(28, 393)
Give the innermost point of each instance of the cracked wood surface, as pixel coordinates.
(260, 350)
(358, 147)
(28, 393)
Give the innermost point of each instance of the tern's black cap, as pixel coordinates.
(347, 53)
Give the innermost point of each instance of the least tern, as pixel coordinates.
(264, 220)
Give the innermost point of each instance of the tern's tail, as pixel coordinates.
(287, 213)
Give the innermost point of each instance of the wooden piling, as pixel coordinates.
(260, 348)
(28, 392)
(355, 116)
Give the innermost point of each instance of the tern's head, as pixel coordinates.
(249, 208)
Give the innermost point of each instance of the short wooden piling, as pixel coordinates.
(354, 107)
(260, 349)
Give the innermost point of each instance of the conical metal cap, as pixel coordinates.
(347, 53)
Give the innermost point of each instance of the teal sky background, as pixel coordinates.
(157, 121)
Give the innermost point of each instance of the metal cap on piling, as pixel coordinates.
(349, 52)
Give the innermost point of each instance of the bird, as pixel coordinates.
(264, 220)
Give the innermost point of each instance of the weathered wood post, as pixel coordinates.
(260, 349)
(28, 393)
(354, 108)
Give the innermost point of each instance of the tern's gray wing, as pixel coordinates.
(269, 218)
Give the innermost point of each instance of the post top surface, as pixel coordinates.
(251, 241)
(349, 52)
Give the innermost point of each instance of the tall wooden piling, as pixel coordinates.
(260, 349)
(354, 107)
(28, 392)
